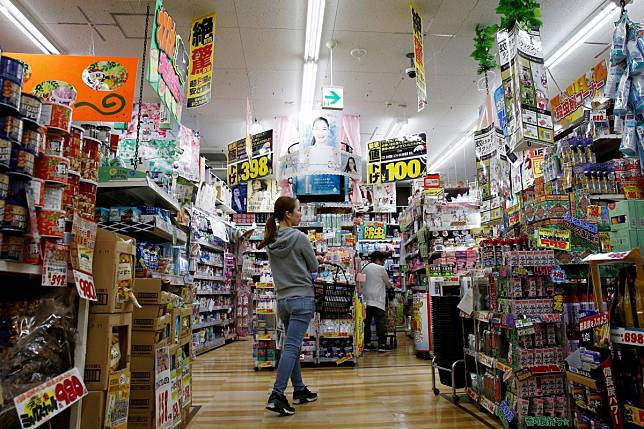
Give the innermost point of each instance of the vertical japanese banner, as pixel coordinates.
(202, 44)
(419, 61)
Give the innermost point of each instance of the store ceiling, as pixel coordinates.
(259, 54)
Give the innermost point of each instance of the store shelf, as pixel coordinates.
(224, 207)
(169, 278)
(214, 279)
(213, 293)
(218, 308)
(210, 346)
(581, 379)
(254, 251)
(486, 360)
(20, 268)
(411, 239)
(335, 337)
(149, 231)
(417, 269)
(210, 246)
(472, 394)
(488, 405)
(209, 324)
(607, 197)
(264, 285)
(139, 190)
(209, 264)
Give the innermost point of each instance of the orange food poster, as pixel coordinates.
(96, 88)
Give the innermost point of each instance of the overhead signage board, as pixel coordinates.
(168, 67)
(202, 47)
(97, 89)
(419, 62)
(242, 167)
(395, 160)
(333, 97)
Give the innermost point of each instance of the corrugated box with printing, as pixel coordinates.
(113, 269)
(108, 409)
(108, 348)
(142, 383)
(151, 318)
(149, 291)
(144, 346)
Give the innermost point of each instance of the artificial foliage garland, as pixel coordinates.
(483, 42)
(525, 13)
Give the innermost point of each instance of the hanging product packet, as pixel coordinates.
(629, 145)
(636, 96)
(640, 135)
(635, 57)
(623, 91)
(615, 73)
(618, 48)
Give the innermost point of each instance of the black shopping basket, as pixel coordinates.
(334, 299)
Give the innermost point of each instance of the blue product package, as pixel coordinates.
(629, 145)
(636, 96)
(635, 57)
(618, 48)
(615, 73)
(623, 92)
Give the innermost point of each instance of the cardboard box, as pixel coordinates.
(108, 409)
(149, 291)
(148, 319)
(101, 328)
(113, 267)
(144, 343)
(142, 413)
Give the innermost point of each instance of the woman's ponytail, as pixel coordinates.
(270, 232)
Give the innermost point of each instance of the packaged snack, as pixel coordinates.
(635, 57)
(629, 145)
(618, 48)
(623, 91)
(636, 96)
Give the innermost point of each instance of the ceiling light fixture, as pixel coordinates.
(456, 148)
(18, 19)
(395, 128)
(314, 20)
(309, 76)
(582, 35)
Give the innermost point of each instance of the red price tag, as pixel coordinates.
(85, 285)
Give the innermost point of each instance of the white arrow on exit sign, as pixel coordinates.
(333, 97)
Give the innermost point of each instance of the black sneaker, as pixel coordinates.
(384, 349)
(279, 404)
(304, 396)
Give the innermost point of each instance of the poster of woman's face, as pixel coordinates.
(262, 194)
(384, 198)
(239, 197)
(319, 149)
(351, 165)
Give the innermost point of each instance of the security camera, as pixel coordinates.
(411, 71)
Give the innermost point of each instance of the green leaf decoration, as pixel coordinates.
(526, 13)
(483, 43)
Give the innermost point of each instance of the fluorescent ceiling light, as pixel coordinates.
(395, 128)
(582, 35)
(309, 76)
(18, 19)
(456, 148)
(314, 21)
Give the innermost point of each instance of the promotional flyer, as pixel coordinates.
(202, 46)
(242, 167)
(397, 159)
(262, 194)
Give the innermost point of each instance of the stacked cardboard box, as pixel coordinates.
(109, 336)
(161, 333)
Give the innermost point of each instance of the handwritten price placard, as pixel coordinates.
(85, 285)
(40, 404)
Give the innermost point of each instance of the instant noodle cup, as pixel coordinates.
(72, 148)
(53, 196)
(10, 93)
(22, 161)
(11, 247)
(71, 190)
(51, 223)
(15, 217)
(60, 117)
(33, 139)
(37, 189)
(11, 128)
(31, 250)
(54, 145)
(5, 152)
(18, 191)
(4, 186)
(52, 168)
(30, 106)
(12, 68)
(85, 199)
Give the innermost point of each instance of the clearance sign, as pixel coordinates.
(397, 159)
(202, 45)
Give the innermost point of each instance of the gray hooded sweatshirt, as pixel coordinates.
(292, 261)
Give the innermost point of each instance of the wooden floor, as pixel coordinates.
(390, 390)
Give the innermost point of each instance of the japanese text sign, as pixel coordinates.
(242, 166)
(202, 46)
(168, 68)
(558, 239)
(397, 159)
(40, 404)
(419, 61)
(373, 231)
(96, 88)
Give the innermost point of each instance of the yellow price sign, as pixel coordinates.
(375, 231)
(250, 169)
(233, 179)
(402, 170)
(373, 174)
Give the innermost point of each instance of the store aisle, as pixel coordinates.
(390, 390)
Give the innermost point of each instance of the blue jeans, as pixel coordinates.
(295, 313)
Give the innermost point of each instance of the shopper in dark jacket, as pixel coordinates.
(292, 261)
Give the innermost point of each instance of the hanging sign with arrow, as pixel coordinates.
(333, 97)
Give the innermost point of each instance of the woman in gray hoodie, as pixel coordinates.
(292, 260)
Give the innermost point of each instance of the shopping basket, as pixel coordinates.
(334, 299)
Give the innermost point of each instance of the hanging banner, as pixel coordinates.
(419, 62)
(525, 89)
(558, 239)
(96, 88)
(568, 107)
(168, 66)
(492, 172)
(397, 159)
(40, 404)
(241, 167)
(202, 47)
(384, 198)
